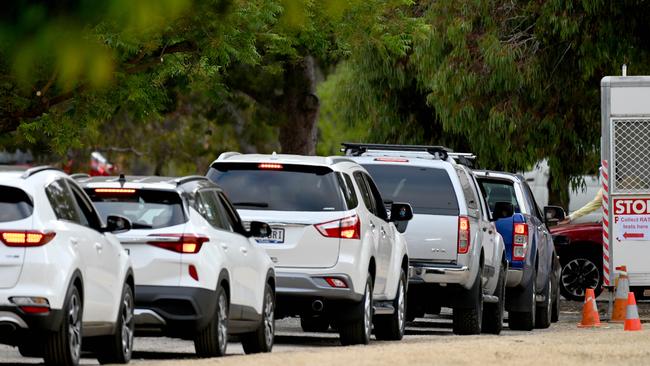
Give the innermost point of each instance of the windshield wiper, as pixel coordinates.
(137, 225)
(251, 204)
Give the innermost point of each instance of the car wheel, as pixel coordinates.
(555, 315)
(118, 347)
(580, 272)
(314, 323)
(63, 347)
(391, 327)
(544, 310)
(525, 320)
(469, 320)
(493, 312)
(262, 339)
(357, 330)
(213, 339)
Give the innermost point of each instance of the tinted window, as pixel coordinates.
(365, 191)
(231, 214)
(15, 204)
(88, 214)
(147, 209)
(380, 208)
(62, 201)
(291, 188)
(499, 191)
(428, 190)
(349, 193)
(208, 205)
(471, 198)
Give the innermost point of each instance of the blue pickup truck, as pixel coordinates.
(532, 293)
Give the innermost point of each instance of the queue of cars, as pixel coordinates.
(358, 243)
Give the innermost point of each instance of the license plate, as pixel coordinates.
(277, 237)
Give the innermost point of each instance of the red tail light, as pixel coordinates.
(114, 191)
(463, 235)
(185, 244)
(271, 166)
(345, 228)
(519, 241)
(18, 238)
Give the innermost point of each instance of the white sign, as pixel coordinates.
(632, 218)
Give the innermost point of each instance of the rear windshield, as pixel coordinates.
(495, 190)
(15, 204)
(428, 190)
(147, 209)
(289, 188)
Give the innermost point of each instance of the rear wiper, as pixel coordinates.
(137, 225)
(251, 204)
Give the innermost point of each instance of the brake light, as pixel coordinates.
(184, 244)
(336, 282)
(393, 160)
(519, 241)
(114, 190)
(26, 238)
(463, 235)
(270, 166)
(345, 228)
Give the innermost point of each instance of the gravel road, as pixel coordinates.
(427, 342)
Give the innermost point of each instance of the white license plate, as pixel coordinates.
(277, 237)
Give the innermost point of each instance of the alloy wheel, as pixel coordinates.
(74, 326)
(269, 318)
(578, 275)
(128, 324)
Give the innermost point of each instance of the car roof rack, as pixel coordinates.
(227, 154)
(31, 171)
(467, 159)
(189, 178)
(79, 176)
(356, 149)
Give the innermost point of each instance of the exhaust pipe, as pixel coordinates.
(317, 306)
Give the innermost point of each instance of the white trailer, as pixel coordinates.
(625, 177)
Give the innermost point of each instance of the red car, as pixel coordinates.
(580, 248)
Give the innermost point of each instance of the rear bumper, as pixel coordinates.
(173, 309)
(291, 285)
(439, 273)
(514, 278)
(15, 324)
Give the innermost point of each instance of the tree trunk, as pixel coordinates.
(300, 107)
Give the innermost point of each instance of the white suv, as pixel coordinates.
(339, 257)
(198, 275)
(63, 275)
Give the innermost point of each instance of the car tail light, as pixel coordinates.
(32, 305)
(193, 272)
(184, 243)
(392, 160)
(345, 228)
(114, 191)
(463, 235)
(26, 238)
(270, 166)
(519, 241)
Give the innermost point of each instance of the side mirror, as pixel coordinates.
(503, 210)
(553, 215)
(260, 230)
(401, 212)
(117, 224)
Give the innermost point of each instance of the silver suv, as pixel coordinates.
(457, 257)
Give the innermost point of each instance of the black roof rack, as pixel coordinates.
(189, 178)
(31, 171)
(79, 175)
(356, 149)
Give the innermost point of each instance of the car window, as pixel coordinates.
(350, 195)
(62, 201)
(533, 204)
(15, 204)
(279, 187)
(208, 206)
(487, 214)
(231, 214)
(471, 198)
(365, 192)
(88, 214)
(428, 190)
(380, 208)
(499, 190)
(145, 208)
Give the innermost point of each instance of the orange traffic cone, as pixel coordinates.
(632, 321)
(590, 317)
(620, 304)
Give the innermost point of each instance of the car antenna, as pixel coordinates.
(122, 179)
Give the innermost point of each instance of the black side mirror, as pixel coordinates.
(401, 212)
(260, 230)
(503, 210)
(553, 215)
(117, 224)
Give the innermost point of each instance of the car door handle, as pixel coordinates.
(99, 247)
(74, 241)
(244, 250)
(224, 246)
(372, 225)
(383, 232)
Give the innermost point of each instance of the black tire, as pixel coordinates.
(118, 348)
(525, 320)
(469, 320)
(315, 323)
(358, 330)
(261, 340)
(555, 315)
(544, 310)
(581, 270)
(63, 347)
(391, 327)
(212, 341)
(31, 349)
(493, 312)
